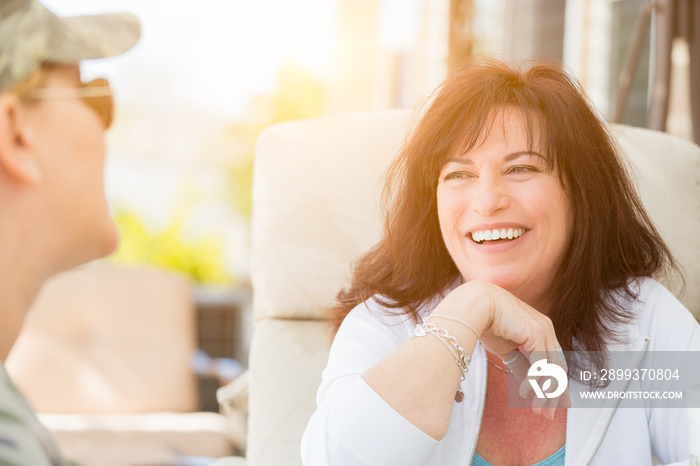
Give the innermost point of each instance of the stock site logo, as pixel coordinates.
(544, 369)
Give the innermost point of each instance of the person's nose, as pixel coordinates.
(490, 196)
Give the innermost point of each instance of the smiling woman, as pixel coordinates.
(512, 230)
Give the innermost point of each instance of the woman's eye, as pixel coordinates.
(457, 176)
(519, 169)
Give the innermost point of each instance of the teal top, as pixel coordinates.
(557, 459)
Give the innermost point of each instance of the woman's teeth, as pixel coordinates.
(496, 234)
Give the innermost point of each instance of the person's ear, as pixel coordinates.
(18, 158)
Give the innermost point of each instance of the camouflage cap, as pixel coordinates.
(30, 34)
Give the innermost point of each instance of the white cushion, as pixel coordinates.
(230, 461)
(315, 206)
(286, 360)
(666, 170)
(159, 438)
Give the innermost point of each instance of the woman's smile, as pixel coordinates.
(496, 234)
(495, 241)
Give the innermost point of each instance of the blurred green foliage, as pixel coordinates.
(201, 259)
(299, 95)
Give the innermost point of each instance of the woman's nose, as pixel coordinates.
(489, 197)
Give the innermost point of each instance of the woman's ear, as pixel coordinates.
(18, 157)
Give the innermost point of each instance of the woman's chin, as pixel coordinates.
(512, 282)
(505, 279)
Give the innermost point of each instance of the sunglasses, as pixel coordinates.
(96, 94)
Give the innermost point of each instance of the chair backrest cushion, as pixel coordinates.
(315, 192)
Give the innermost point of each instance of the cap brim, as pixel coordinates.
(96, 36)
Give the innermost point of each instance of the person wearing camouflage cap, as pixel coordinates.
(53, 212)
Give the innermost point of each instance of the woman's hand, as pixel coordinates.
(506, 325)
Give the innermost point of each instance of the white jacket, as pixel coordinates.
(354, 426)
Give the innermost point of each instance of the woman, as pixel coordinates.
(53, 213)
(511, 228)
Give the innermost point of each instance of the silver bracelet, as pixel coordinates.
(462, 358)
(456, 320)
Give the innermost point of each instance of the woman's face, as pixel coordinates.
(504, 215)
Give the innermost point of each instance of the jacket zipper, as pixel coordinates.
(607, 425)
(483, 404)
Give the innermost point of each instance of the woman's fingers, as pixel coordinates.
(550, 408)
(554, 380)
(538, 404)
(565, 399)
(545, 378)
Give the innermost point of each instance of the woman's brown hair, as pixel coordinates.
(613, 240)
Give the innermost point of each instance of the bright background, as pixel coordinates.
(208, 76)
(190, 96)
